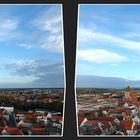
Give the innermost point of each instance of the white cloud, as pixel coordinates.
(100, 56)
(36, 67)
(45, 30)
(8, 30)
(24, 45)
(49, 19)
(133, 35)
(53, 43)
(47, 33)
(37, 73)
(16, 79)
(89, 36)
(52, 25)
(8, 24)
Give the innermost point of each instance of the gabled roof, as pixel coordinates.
(21, 123)
(49, 115)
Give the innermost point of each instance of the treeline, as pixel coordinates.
(96, 91)
(25, 106)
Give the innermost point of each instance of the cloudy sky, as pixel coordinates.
(108, 51)
(31, 46)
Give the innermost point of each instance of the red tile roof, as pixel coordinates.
(56, 118)
(30, 116)
(80, 120)
(127, 112)
(103, 119)
(38, 129)
(126, 124)
(92, 122)
(13, 131)
(137, 127)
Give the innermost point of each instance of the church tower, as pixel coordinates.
(130, 96)
(127, 93)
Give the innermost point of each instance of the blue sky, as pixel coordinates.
(31, 46)
(109, 43)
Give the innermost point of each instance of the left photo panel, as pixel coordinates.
(32, 70)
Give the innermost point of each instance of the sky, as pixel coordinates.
(108, 46)
(31, 46)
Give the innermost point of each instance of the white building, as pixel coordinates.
(8, 109)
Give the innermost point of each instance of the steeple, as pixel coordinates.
(130, 95)
(128, 89)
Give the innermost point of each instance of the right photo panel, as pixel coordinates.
(108, 70)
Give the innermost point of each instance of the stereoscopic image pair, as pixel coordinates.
(32, 70)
